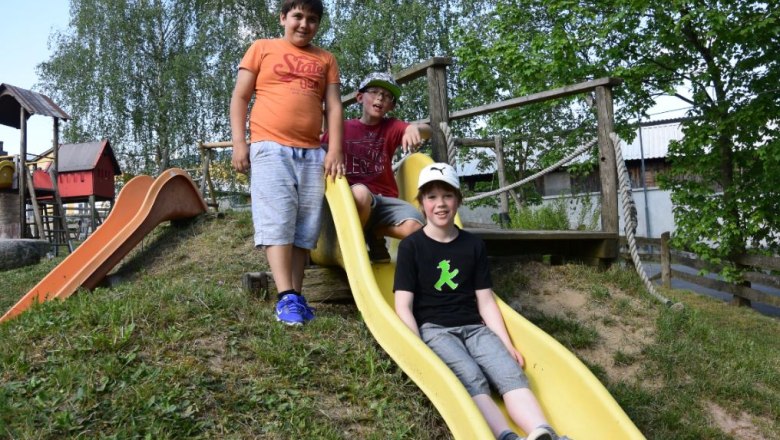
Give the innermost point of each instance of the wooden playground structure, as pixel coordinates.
(591, 247)
(66, 174)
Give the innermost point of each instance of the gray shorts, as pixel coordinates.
(287, 188)
(391, 211)
(477, 357)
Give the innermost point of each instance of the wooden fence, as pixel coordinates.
(761, 270)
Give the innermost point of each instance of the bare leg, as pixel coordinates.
(280, 258)
(300, 257)
(524, 409)
(492, 413)
(406, 228)
(287, 264)
(363, 199)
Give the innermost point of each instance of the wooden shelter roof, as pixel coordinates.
(13, 98)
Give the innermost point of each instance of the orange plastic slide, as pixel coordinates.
(142, 204)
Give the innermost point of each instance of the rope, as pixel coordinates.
(629, 215)
(451, 150)
(581, 149)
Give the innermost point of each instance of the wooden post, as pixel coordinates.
(205, 160)
(34, 203)
(666, 261)
(22, 183)
(607, 161)
(503, 214)
(439, 109)
(92, 214)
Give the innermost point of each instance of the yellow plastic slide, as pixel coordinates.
(574, 401)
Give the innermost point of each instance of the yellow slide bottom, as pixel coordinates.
(574, 401)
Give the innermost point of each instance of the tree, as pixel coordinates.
(721, 58)
(154, 76)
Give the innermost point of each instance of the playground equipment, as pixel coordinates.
(575, 402)
(141, 205)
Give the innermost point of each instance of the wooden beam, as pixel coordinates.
(438, 108)
(560, 92)
(607, 160)
(320, 284)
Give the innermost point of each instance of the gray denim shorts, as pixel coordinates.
(287, 187)
(477, 357)
(391, 211)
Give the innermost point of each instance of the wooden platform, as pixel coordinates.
(590, 247)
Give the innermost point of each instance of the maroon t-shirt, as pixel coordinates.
(368, 153)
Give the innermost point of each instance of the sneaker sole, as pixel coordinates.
(290, 323)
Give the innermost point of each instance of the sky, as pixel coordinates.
(24, 36)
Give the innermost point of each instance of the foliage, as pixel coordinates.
(721, 58)
(553, 217)
(154, 76)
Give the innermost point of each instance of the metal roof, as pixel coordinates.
(655, 141)
(85, 156)
(13, 99)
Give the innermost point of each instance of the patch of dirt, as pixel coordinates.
(740, 425)
(624, 326)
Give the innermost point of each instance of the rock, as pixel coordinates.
(21, 252)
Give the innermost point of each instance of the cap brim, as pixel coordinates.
(395, 90)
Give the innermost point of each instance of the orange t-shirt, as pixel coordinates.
(289, 91)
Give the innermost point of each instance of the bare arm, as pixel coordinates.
(414, 135)
(239, 106)
(334, 113)
(488, 310)
(403, 307)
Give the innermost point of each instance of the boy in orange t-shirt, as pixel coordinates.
(290, 79)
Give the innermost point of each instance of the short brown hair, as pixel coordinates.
(307, 5)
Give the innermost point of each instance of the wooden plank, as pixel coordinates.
(589, 247)
(320, 284)
(762, 261)
(222, 144)
(739, 291)
(560, 92)
(467, 142)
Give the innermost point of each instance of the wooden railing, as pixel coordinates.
(659, 250)
(435, 69)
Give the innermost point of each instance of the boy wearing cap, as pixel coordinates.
(369, 145)
(290, 79)
(443, 293)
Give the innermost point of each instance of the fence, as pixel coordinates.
(762, 270)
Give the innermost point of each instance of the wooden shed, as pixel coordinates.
(85, 170)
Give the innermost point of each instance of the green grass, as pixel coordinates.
(175, 349)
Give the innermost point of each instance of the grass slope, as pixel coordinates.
(175, 349)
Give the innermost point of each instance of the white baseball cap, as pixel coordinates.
(439, 171)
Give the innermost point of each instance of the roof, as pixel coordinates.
(85, 156)
(470, 168)
(652, 140)
(13, 99)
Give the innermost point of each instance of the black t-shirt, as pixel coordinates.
(444, 277)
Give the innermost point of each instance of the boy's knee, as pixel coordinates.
(362, 195)
(408, 227)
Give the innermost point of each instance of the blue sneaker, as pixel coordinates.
(308, 312)
(290, 311)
